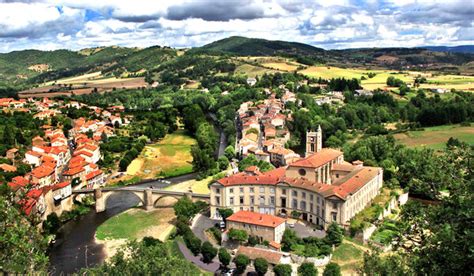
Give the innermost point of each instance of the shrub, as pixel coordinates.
(335, 234)
(252, 241)
(307, 269)
(332, 269)
(51, 224)
(241, 262)
(216, 233)
(261, 266)
(193, 243)
(282, 270)
(238, 235)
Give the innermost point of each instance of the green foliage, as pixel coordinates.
(224, 256)
(241, 262)
(307, 269)
(229, 152)
(208, 252)
(261, 266)
(335, 234)
(374, 264)
(238, 235)
(223, 163)
(251, 160)
(139, 258)
(225, 212)
(22, 246)
(185, 208)
(51, 224)
(216, 233)
(193, 243)
(392, 81)
(282, 270)
(332, 269)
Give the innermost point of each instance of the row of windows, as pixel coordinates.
(261, 200)
(252, 190)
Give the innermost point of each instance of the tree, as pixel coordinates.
(224, 257)
(282, 270)
(51, 224)
(261, 266)
(22, 246)
(238, 235)
(374, 264)
(223, 163)
(229, 152)
(335, 234)
(193, 243)
(208, 252)
(307, 269)
(225, 213)
(289, 239)
(332, 269)
(185, 208)
(241, 262)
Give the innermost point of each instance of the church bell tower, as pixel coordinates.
(314, 141)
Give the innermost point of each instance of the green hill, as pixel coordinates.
(242, 46)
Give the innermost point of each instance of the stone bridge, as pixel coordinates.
(149, 197)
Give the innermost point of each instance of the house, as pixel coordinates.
(7, 168)
(11, 153)
(18, 182)
(33, 158)
(281, 156)
(61, 191)
(251, 81)
(95, 179)
(264, 226)
(44, 175)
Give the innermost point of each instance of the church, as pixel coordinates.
(320, 188)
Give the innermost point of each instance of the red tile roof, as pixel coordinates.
(93, 174)
(43, 170)
(256, 219)
(355, 180)
(73, 171)
(269, 178)
(18, 182)
(318, 159)
(7, 168)
(61, 185)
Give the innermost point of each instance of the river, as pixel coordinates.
(75, 246)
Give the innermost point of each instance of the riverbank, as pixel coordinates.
(134, 224)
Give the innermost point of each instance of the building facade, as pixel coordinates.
(321, 188)
(266, 227)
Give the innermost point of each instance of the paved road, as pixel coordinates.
(304, 231)
(201, 225)
(212, 267)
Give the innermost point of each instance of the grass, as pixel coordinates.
(137, 223)
(197, 186)
(252, 71)
(169, 157)
(436, 137)
(371, 212)
(346, 252)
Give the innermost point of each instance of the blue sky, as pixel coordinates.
(330, 24)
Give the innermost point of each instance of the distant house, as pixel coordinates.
(251, 81)
(266, 227)
(363, 92)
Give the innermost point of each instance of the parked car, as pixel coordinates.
(222, 225)
(227, 272)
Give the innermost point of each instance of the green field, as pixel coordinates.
(348, 256)
(436, 137)
(169, 157)
(136, 224)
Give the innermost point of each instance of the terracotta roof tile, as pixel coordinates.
(318, 159)
(256, 219)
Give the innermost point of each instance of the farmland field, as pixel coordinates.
(197, 186)
(252, 71)
(169, 157)
(436, 137)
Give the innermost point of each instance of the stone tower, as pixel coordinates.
(314, 141)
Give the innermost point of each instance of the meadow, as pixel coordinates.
(436, 137)
(171, 156)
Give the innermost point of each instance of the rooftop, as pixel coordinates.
(256, 219)
(318, 159)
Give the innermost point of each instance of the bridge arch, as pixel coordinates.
(163, 200)
(132, 197)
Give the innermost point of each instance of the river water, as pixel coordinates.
(75, 246)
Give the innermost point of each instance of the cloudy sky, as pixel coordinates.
(330, 24)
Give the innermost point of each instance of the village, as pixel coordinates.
(60, 162)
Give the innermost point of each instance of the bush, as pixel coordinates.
(216, 233)
(193, 243)
(261, 266)
(252, 241)
(335, 234)
(307, 269)
(282, 270)
(241, 262)
(52, 224)
(208, 252)
(332, 269)
(224, 256)
(238, 235)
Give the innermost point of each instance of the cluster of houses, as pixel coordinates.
(263, 129)
(60, 163)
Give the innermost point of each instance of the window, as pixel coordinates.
(272, 200)
(303, 194)
(252, 200)
(262, 189)
(283, 191)
(231, 190)
(302, 172)
(262, 200)
(294, 204)
(218, 200)
(272, 191)
(317, 210)
(231, 201)
(218, 190)
(318, 199)
(311, 196)
(311, 208)
(303, 205)
(334, 205)
(252, 190)
(241, 200)
(295, 193)
(252, 209)
(334, 216)
(241, 190)
(337, 175)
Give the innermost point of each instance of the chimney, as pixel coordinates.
(358, 163)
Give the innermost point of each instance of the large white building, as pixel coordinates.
(321, 187)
